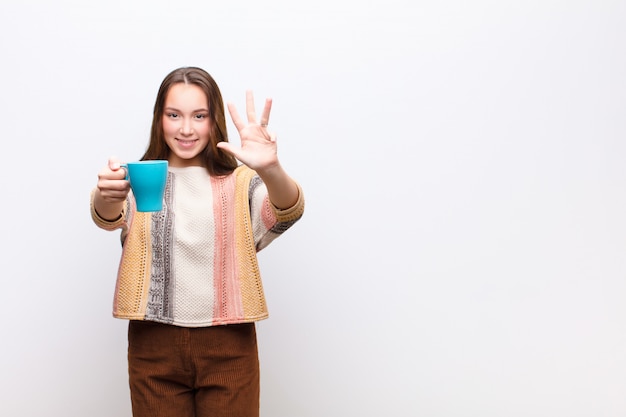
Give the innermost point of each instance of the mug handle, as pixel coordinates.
(125, 166)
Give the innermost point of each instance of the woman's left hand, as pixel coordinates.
(258, 146)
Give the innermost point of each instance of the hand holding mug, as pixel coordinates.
(112, 182)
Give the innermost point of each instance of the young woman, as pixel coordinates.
(188, 278)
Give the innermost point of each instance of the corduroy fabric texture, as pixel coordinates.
(193, 372)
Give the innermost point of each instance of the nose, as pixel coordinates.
(186, 128)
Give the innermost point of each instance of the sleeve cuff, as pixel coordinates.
(292, 213)
(103, 223)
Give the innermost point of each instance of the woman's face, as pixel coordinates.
(186, 124)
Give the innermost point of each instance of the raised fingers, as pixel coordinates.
(265, 117)
(239, 124)
(251, 112)
(250, 107)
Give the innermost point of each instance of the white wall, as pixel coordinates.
(463, 252)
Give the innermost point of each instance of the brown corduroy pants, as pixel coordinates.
(193, 372)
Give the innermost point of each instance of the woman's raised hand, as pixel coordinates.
(258, 145)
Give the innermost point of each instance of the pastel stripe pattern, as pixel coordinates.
(194, 265)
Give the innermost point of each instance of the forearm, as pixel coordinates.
(107, 210)
(281, 188)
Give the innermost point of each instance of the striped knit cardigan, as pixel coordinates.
(136, 271)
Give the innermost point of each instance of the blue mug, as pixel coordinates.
(147, 180)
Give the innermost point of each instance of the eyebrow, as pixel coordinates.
(177, 110)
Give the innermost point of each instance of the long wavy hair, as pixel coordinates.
(216, 161)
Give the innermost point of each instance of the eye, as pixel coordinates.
(201, 116)
(172, 115)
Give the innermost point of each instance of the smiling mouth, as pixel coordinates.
(186, 141)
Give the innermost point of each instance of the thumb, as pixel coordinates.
(114, 163)
(229, 148)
